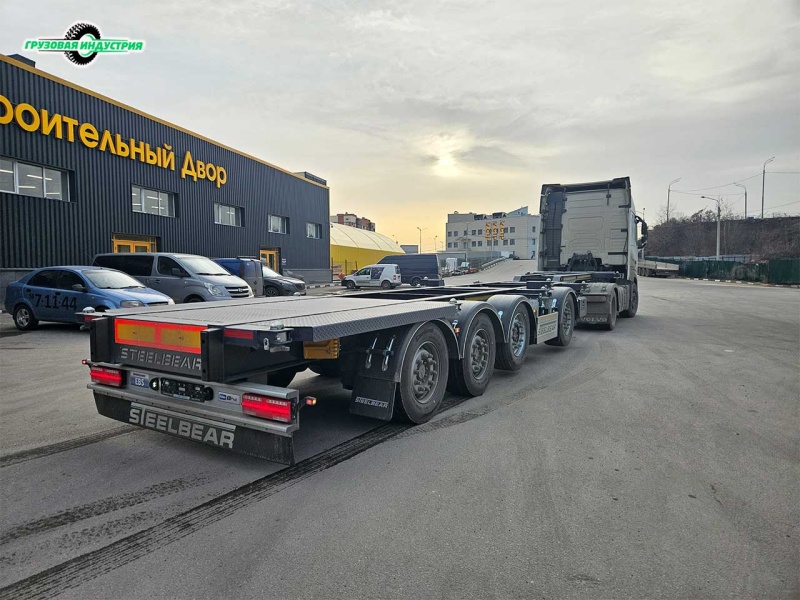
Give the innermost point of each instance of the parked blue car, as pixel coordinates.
(57, 293)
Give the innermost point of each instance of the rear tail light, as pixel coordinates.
(106, 376)
(265, 407)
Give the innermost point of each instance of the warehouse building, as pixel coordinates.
(492, 235)
(353, 248)
(82, 174)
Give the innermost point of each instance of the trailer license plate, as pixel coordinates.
(139, 380)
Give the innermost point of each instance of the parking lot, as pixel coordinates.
(659, 459)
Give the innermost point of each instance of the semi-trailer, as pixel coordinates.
(221, 373)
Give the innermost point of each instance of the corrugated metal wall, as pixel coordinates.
(36, 232)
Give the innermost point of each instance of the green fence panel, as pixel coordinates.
(784, 271)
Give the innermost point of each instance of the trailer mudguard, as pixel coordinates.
(467, 312)
(505, 305)
(560, 295)
(378, 365)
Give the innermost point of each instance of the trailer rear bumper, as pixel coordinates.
(272, 441)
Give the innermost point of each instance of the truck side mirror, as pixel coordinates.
(642, 242)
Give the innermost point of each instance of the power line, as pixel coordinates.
(787, 204)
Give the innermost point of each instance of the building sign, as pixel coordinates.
(495, 230)
(82, 43)
(66, 128)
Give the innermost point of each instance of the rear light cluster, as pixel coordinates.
(265, 407)
(106, 376)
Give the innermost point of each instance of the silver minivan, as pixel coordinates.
(182, 277)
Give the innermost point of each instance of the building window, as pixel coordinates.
(473, 244)
(152, 202)
(505, 229)
(465, 232)
(225, 214)
(278, 224)
(449, 234)
(533, 229)
(495, 243)
(512, 229)
(36, 181)
(505, 242)
(480, 243)
(474, 231)
(449, 244)
(314, 230)
(511, 242)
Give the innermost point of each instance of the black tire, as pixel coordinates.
(425, 364)
(511, 354)
(281, 378)
(385, 285)
(194, 299)
(100, 309)
(415, 281)
(76, 32)
(351, 285)
(612, 315)
(327, 368)
(24, 319)
(566, 324)
(630, 312)
(271, 291)
(471, 375)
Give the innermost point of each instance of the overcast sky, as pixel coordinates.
(415, 109)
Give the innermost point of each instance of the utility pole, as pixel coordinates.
(669, 189)
(744, 187)
(435, 247)
(763, 180)
(719, 214)
(421, 229)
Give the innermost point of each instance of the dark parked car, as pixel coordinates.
(58, 293)
(275, 284)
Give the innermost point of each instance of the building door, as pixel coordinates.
(133, 243)
(272, 258)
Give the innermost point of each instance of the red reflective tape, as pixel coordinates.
(239, 334)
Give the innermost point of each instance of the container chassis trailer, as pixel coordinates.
(220, 373)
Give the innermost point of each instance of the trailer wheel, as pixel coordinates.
(471, 374)
(612, 316)
(281, 378)
(566, 324)
(511, 354)
(423, 378)
(634, 307)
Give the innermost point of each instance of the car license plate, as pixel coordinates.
(140, 380)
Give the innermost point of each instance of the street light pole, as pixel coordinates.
(744, 187)
(419, 248)
(719, 213)
(763, 180)
(669, 189)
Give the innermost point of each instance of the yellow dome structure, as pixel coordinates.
(353, 248)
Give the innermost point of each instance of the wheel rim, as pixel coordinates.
(23, 317)
(425, 372)
(479, 354)
(518, 335)
(567, 318)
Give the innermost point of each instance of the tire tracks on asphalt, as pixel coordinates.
(42, 451)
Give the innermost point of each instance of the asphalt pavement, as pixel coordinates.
(657, 460)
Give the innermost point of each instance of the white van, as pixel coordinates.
(382, 276)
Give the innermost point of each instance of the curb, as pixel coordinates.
(322, 285)
(774, 285)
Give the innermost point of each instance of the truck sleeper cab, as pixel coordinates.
(222, 376)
